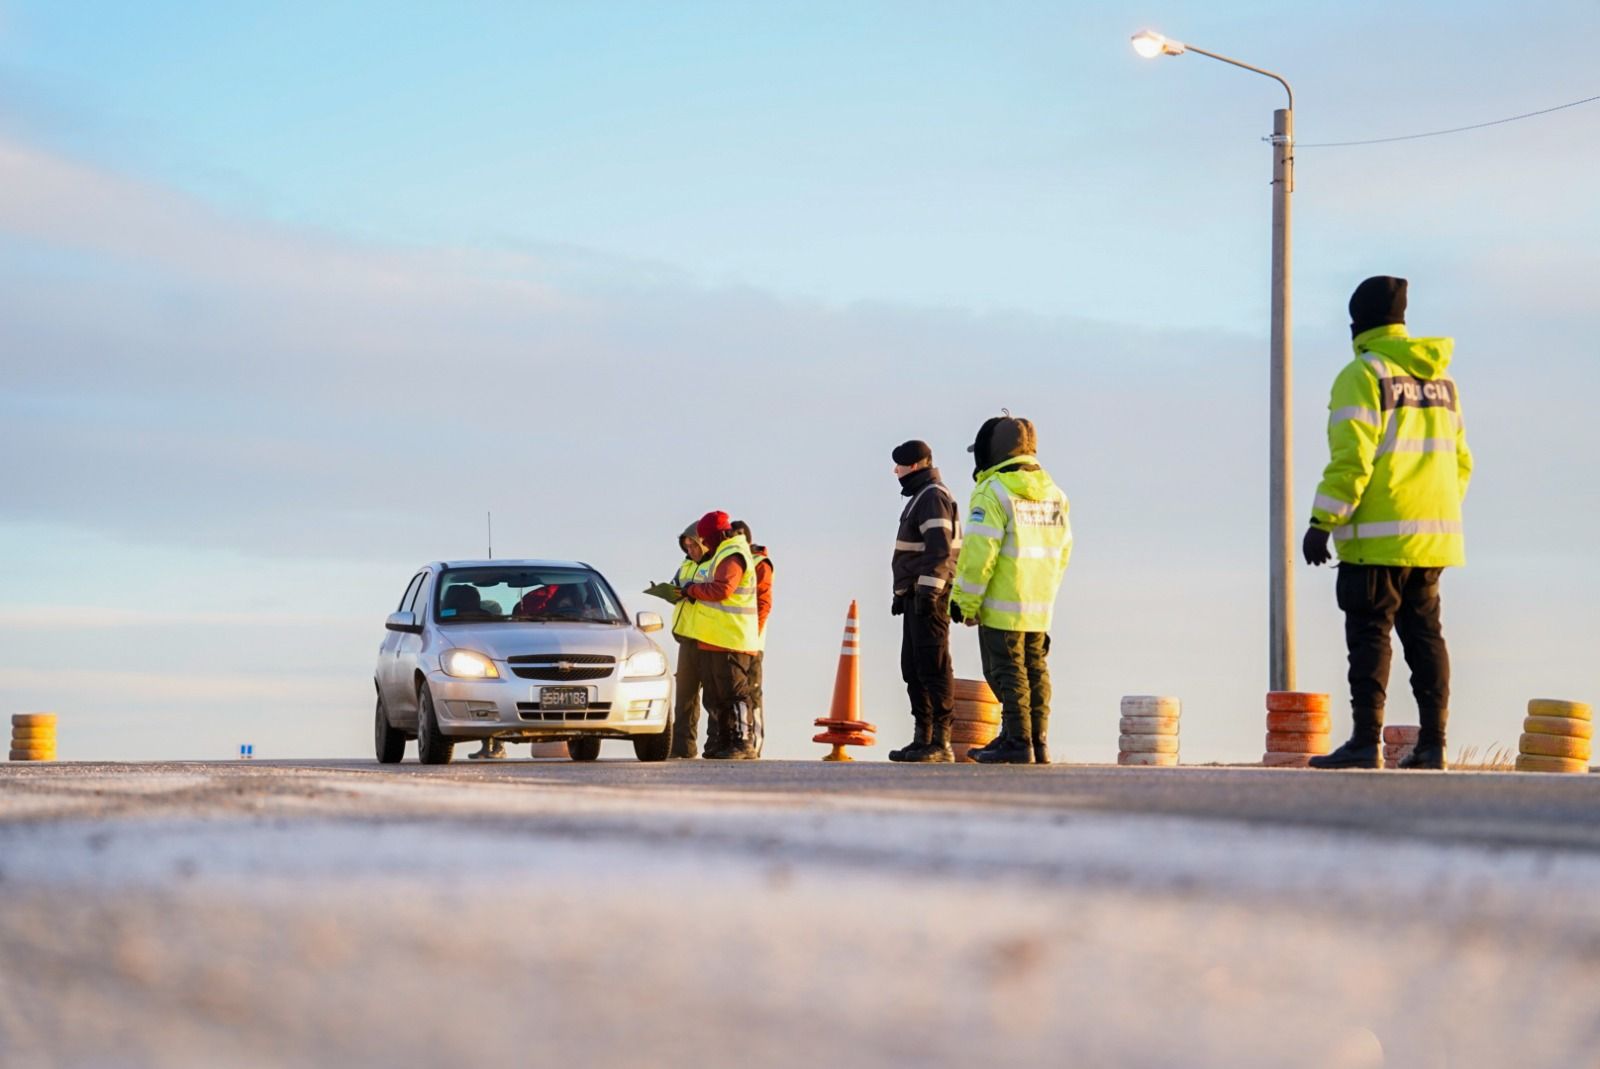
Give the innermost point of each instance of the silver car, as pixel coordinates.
(530, 650)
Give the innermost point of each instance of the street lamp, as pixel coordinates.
(1280, 642)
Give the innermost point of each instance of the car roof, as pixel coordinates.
(502, 562)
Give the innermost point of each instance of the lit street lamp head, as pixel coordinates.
(1150, 44)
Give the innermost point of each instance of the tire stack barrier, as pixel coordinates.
(33, 737)
(1148, 732)
(1298, 726)
(1398, 742)
(1555, 737)
(977, 719)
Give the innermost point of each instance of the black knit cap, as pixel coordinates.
(1378, 302)
(913, 452)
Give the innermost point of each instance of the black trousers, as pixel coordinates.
(758, 704)
(925, 665)
(1016, 665)
(686, 710)
(726, 678)
(1377, 599)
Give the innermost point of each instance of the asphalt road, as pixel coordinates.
(793, 914)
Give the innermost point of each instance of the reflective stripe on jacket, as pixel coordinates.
(730, 624)
(1398, 463)
(1015, 548)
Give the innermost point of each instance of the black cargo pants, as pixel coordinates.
(925, 663)
(686, 710)
(1376, 599)
(727, 677)
(1016, 666)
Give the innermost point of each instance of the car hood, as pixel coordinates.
(499, 641)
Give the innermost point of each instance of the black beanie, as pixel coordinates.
(982, 446)
(1377, 302)
(913, 452)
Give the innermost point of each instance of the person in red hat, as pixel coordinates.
(723, 618)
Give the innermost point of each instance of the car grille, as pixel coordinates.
(564, 667)
(596, 711)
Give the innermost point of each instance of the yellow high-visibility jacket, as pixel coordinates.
(1014, 549)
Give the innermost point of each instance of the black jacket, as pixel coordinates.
(930, 535)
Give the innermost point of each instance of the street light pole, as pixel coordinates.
(1280, 474)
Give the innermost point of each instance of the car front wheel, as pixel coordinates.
(388, 740)
(585, 748)
(433, 746)
(654, 747)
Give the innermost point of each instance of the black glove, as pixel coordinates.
(924, 602)
(1315, 547)
(686, 595)
(955, 613)
(897, 607)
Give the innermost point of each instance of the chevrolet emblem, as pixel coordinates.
(564, 667)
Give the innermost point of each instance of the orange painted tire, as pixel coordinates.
(1296, 701)
(1536, 763)
(31, 735)
(1554, 707)
(1294, 742)
(1300, 723)
(33, 720)
(1558, 725)
(974, 690)
(1554, 746)
(1401, 734)
(1286, 760)
(1147, 743)
(1148, 725)
(965, 731)
(978, 712)
(1148, 760)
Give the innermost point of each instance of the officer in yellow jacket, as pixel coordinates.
(1013, 554)
(1390, 499)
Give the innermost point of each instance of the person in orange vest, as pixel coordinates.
(723, 620)
(763, 610)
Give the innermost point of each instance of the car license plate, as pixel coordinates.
(563, 697)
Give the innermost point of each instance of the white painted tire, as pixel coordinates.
(1148, 760)
(1148, 725)
(1150, 705)
(1148, 743)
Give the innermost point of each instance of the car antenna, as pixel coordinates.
(490, 516)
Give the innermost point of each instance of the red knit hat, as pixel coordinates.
(711, 525)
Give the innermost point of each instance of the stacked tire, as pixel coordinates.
(1555, 737)
(1398, 742)
(1148, 732)
(1298, 727)
(33, 737)
(977, 719)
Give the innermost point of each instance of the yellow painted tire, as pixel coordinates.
(1554, 746)
(31, 735)
(33, 755)
(1558, 725)
(1536, 763)
(1148, 725)
(1552, 707)
(978, 712)
(33, 720)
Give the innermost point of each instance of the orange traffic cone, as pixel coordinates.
(843, 725)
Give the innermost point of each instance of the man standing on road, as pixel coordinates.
(923, 564)
(1013, 555)
(723, 620)
(1390, 499)
(686, 715)
(758, 705)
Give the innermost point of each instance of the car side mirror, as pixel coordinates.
(649, 621)
(404, 621)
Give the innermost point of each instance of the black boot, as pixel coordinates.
(742, 746)
(937, 751)
(1428, 754)
(919, 741)
(973, 753)
(1364, 750)
(1007, 751)
(1041, 752)
(716, 736)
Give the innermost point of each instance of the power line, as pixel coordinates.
(1452, 130)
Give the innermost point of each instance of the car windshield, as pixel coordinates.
(511, 593)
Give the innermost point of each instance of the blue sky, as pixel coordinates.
(289, 297)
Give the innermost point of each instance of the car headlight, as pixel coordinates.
(645, 664)
(467, 664)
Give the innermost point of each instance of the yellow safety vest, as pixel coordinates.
(731, 624)
(680, 611)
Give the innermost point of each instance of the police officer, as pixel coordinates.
(1390, 499)
(923, 564)
(1014, 552)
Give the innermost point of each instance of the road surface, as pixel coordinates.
(794, 914)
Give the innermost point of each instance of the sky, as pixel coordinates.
(292, 295)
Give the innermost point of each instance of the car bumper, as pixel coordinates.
(510, 708)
